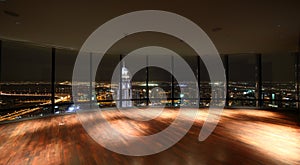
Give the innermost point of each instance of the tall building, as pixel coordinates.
(125, 89)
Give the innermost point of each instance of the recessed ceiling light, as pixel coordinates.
(216, 29)
(11, 13)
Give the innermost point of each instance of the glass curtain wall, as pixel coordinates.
(26, 83)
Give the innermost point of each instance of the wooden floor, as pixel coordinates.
(241, 137)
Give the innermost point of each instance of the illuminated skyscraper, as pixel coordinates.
(125, 88)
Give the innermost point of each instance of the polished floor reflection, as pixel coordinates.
(241, 137)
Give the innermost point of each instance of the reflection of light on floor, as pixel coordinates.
(267, 132)
(252, 113)
(262, 130)
(129, 127)
(138, 128)
(112, 127)
(275, 140)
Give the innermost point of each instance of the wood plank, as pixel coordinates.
(241, 137)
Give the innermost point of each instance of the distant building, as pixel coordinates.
(125, 89)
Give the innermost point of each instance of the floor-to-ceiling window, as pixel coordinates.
(25, 80)
(278, 80)
(261, 81)
(64, 64)
(186, 91)
(160, 82)
(242, 80)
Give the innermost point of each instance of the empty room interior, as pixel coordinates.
(149, 82)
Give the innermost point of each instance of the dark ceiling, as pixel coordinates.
(234, 26)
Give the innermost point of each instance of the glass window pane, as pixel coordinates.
(278, 80)
(242, 80)
(205, 87)
(185, 94)
(160, 83)
(107, 93)
(64, 65)
(25, 83)
(139, 89)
